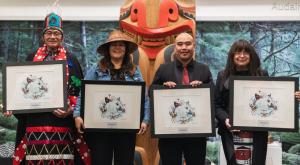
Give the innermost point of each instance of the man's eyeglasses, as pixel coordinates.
(54, 33)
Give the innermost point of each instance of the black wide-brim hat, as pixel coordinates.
(117, 35)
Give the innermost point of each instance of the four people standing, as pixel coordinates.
(117, 64)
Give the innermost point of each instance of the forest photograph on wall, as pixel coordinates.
(277, 44)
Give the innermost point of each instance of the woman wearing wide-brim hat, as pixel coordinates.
(116, 64)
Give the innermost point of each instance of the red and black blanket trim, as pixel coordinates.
(78, 142)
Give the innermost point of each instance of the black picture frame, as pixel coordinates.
(54, 75)
(130, 93)
(263, 103)
(163, 125)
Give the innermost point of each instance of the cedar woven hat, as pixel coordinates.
(53, 21)
(117, 35)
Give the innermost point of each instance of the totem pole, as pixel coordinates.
(153, 25)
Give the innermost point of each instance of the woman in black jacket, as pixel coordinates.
(242, 61)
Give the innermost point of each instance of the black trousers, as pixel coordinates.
(193, 149)
(260, 142)
(107, 146)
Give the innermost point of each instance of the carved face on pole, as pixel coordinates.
(153, 24)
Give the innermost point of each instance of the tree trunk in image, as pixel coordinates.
(254, 37)
(272, 45)
(202, 47)
(19, 43)
(83, 37)
(6, 36)
(34, 34)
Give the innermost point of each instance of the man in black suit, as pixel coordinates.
(183, 70)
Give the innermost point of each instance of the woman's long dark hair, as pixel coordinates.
(127, 67)
(254, 64)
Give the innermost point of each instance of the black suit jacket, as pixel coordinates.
(222, 96)
(173, 71)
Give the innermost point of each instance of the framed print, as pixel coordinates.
(31, 87)
(112, 105)
(263, 103)
(183, 111)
